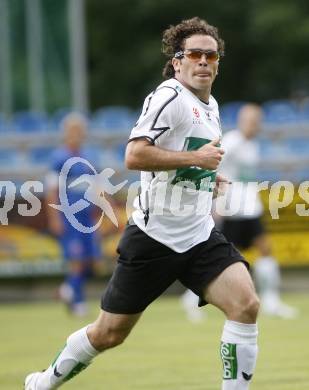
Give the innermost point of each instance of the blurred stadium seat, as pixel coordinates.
(301, 175)
(229, 112)
(29, 122)
(4, 126)
(298, 146)
(304, 111)
(113, 118)
(57, 117)
(9, 157)
(40, 155)
(280, 112)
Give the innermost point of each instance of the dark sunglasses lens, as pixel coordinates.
(194, 55)
(212, 56)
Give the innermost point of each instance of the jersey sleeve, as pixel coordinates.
(56, 162)
(52, 177)
(160, 113)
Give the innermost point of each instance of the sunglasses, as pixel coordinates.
(196, 54)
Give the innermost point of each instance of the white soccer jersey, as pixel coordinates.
(174, 206)
(239, 165)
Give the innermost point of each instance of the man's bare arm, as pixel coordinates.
(143, 156)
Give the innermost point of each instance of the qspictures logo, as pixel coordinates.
(98, 184)
(168, 195)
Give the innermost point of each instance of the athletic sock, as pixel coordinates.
(238, 353)
(75, 357)
(76, 282)
(267, 279)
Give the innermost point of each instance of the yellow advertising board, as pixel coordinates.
(289, 234)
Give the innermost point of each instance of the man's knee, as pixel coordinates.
(106, 338)
(246, 310)
(251, 308)
(110, 330)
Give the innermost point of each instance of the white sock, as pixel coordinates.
(267, 274)
(75, 356)
(238, 353)
(268, 279)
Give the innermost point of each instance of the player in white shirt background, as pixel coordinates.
(171, 236)
(243, 225)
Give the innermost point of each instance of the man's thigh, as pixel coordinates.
(145, 269)
(208, 260)
(232, 288)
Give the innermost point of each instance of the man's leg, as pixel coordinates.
(108, 331)
(72, 290)
(189, 302)
(267, 277)
(233, 293)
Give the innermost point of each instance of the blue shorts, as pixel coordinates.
(80, 246)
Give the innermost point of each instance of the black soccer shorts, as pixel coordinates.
(146, 268)
(242, 231)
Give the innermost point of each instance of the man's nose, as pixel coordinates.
(203, 60)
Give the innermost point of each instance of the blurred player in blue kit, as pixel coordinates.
(81, 250)
(171, 235)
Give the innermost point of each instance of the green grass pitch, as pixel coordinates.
(164, 351)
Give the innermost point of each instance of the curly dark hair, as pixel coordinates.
(174, 37)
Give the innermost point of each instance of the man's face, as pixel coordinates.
(197, 75)
(250, 121)
(75, 133)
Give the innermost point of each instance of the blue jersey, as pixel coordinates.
(76, 244)
(76, 170)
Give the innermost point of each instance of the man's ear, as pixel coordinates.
(176, 64)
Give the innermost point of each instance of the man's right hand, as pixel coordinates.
(210, 155)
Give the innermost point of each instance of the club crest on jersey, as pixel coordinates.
(196, 112)
(196, 117)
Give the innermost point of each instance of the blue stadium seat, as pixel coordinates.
(270, 174)
(29, 122)
(229, 113)
(280, 112)
(41, 155)
(304, 111)
(113, 118)
(266, 147)
(298, 146)
(58, 116)
(9, 157)
(3, 124)
(301, 175)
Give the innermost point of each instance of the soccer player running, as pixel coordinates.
(81, 251)
(244, 226)
(172, 234)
